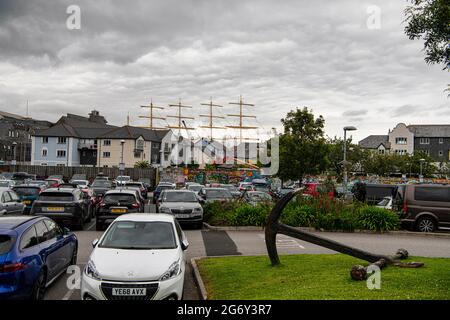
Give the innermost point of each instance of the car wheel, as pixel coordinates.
(98, 226)
(39, 287)
(426, 224)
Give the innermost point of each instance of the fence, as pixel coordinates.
(90, 172)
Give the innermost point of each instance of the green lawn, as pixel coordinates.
(319, 276)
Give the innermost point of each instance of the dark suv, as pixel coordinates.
(424, 207)
(68, 207)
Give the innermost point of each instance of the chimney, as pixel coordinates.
(95, 116)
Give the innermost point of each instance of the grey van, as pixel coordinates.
(424, 207)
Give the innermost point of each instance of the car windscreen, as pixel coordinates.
(6, 243)
(218, 194)
(22, 191)
(56, 196)
(179, 197)
(139, 235)
(195, 188)
(119, 197)
(80, 182)
(160, 188)
(101, 184)
(4, 183)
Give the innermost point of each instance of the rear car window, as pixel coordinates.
(432, 194)
(27, 191)
(6, 243)
(56, 196)
(117, 197)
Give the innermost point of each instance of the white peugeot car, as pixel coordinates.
(140, 256)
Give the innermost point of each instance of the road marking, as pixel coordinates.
(285, 242)
(68, 294)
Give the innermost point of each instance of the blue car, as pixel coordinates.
(34, 251)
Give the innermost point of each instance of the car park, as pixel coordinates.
(69, 207)
(54, 183)
(28, 194)
(315, 189)
(99, 187)
(215, 194)
(423, 207)
(139, 257)
(34, 251)
(233, 190)
(386, 203)
(78, 176)
(246, 186)
(122, 180)
(194, 187)
(81, 183)
(41, 183)
(10, 203)
(138, 185)
(115, 203)
(184, 205)
(7, 183)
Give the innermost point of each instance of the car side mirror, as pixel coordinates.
(184, 244)
(94, 243)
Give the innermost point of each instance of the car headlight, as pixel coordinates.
(173, 271)
(164, 210)
(198, 211)
(91, 271)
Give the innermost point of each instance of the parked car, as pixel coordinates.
(147, 183)
(159, 188)
(194, 187)
(215, 194)
(99, 187)
(423, 207)
(233, 190)
(10, 202)
(7, 183)
(139, 185)
(34, 251)
(115, 203)
(377, 192)
(81, 183)
(184, 205)
(56, 177)
(78, 176)
(41, 183)
(28, 194)
(256, 197)
(69, 207)
(54, 183)
(386, 203)
(261, 185)
(315, 189)
(139, 257)
(246, 186)
(122, 179)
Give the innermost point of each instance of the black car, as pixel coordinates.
(115, 203)
(28, 194)
(67, 206)
(160, 188)
(99, 187)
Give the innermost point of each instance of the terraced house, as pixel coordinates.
(434, 140)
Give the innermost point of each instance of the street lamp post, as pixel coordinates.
(344, 162)
(421, 162)
(121, 165)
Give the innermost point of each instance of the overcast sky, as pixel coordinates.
(277, 54)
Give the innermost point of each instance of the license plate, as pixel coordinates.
(182, 216)
(118, 210)
(129, 291)
(55, 209)
(26, 202)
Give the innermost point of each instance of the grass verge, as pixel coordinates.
(320, 276)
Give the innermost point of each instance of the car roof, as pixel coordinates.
(178, 190)
(215, 188)
(150, 217)
(127, 191)
(67, 190)
(12, 222)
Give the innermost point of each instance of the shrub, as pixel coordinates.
(378, 219)
(248, 215)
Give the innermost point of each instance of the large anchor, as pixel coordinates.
(358, 272)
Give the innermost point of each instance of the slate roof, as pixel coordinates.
(430, 130)
(374, 141)
(129, 132)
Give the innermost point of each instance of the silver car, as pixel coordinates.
(183, 205)
(10, 202)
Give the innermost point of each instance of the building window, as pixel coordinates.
(106, 154)
(44, 152)
(441, 140)
(401, 140)
(424, 141)
(43, 164)
(381, 151)
(441, 153)
(427, 152)
(137, 154)
(62, 140)
(60, 153)
(106, 142)
(401, 152)
(44, 139)
(140, 144)
(60, 165)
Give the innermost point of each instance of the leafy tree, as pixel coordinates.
(354, 155)
(429, 19)
(142, 164)
(303, 148)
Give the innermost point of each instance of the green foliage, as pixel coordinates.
(379, 219)
(248, 215)
(429, 19)
(303, 148)
(142, 164)
(336, 155)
